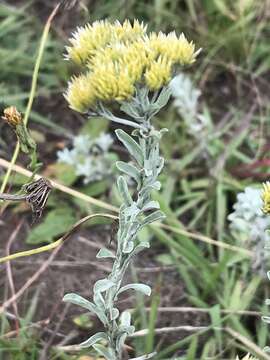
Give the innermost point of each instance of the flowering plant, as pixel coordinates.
(89, 157)
(248, 224)
(122, 64)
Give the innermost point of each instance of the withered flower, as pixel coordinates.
(37, 193)
(12, 116)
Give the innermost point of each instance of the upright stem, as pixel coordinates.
(131, 225)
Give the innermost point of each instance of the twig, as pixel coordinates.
(185, 309)
(170, 329)
(43, 355)
(9, 274)
(68, 264)
(30, 281)
(11, 197)
(248, 343)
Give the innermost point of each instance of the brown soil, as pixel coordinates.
(75, 269)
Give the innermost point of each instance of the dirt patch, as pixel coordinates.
(75, 269)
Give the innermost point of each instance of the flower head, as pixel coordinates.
(177, 49)
(12, 116)
(87, 39)
(120, 57)
(266, 198)
(159, 73)
(80, 93)
(128, 31)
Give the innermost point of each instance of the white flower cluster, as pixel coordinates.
(89, 157)
(186, 98)
(249, 223)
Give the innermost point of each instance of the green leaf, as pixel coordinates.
(80, 301)
(107, 353)
(103, 285)
(114, 313)
(151, 205)
(131, 145)
(56, 223)
(145, 357)
(125, 318)
(105, 253)
(130, 170)
(155, 216)
(144, 289)
(164, 97)
(94, 339)
(123, 190)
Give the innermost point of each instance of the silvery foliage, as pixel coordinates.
(186, 101)
(136, 211)
(89, 157)
(249, 224)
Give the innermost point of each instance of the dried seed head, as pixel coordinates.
(12, 116)
(37, 195)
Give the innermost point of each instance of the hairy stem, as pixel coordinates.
(131, 225)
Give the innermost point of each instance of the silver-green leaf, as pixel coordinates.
(145, 289)
(123, 190)
(103, 285)
(131, 145)
(80, 301)
(94, 339)
(130, 170)
(105, 253)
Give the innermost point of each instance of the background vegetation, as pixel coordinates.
(208, 293)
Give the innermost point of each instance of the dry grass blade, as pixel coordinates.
(58, 242)
(248, 343)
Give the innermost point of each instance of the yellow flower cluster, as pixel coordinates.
(117, 56)
(266, 197)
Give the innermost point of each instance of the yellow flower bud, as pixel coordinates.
(266, 198)
(178, 50)
(80, 93)
(12, 116)
(87, 39)
(159, 73)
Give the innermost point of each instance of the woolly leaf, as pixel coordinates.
(128, 247)
(94, 339)
(114, 314)
(130, 170)
(145, 357)
(103, 285)
(145, 289)
(106, 353)
(131, 145)
(80, 301)
(151, 205)
(155, 216)
(105, 253)
(125, 318)
(123, 190)
(163, 97)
